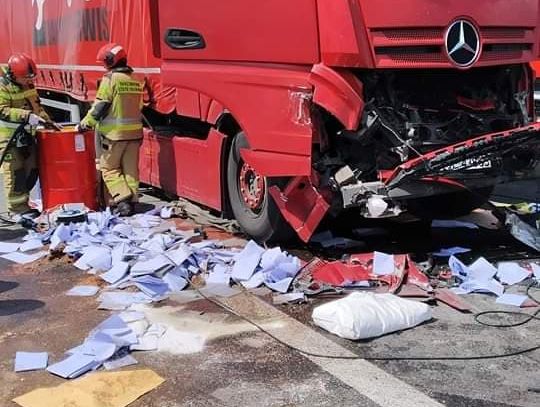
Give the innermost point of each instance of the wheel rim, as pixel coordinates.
(252, 189)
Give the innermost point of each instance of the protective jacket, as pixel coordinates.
(16, 104)
(116, 112)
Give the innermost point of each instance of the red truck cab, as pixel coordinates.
(331, 105)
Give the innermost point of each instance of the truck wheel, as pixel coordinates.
(251, 204)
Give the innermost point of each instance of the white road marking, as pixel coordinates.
(363, 376)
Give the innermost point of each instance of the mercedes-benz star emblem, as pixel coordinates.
(463, 43)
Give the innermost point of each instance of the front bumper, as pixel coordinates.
(514, 154)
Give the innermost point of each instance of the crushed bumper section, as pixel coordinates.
(452, 162)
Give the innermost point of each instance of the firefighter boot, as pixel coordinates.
(124, 208)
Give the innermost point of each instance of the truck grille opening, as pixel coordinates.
(411, 47)
(412, 55)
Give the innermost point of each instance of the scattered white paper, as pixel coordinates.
(175, 282)
(123, 229)
(152, 286)
(94, 257)
(83, 291)
(453, 224)
(219, 275)
(272, 257)
(482, 269)
(157, 244)
(115, 274)
(9, 247)
(180, 255)
(119, 253)
(458, 268)
(511, 273)
(22, 258)
(62, 234)
(131, 316)
(205, 244)
(245, 266)
(255, 281)
(280, 286)
(281, 271)
(150, 266)
(166, 212)
(101, 261)
(490, 286)
(150, 340)
(247, 261)
(122, 299)
(383, 264)
(30, 245)
(100, 350)
(73, 366)
(26, 361)
(512, 299)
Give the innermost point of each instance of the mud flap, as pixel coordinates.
(302, 205)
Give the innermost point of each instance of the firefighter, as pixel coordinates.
(19, 103)
(116, 115)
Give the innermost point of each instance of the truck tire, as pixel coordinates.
(251, 204)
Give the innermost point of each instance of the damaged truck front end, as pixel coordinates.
(425, 120)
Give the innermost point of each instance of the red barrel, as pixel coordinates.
(67, 169)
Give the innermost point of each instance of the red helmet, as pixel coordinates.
(110, 55)
(22, 66)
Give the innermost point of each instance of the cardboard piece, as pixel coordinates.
(110, 389)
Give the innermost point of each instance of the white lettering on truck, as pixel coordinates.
(40, 3)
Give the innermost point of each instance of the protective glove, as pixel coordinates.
(34, 120)
(81, 127)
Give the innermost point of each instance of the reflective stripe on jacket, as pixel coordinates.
(16, 104)
(116, 112)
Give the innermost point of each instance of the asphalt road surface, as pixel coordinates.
(242, 366)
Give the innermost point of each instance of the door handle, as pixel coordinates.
(178, 38)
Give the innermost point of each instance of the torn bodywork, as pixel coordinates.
(340, 277)
(430, 142)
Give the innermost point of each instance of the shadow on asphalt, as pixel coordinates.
(12, 307)
(142, 207)
(7, 285)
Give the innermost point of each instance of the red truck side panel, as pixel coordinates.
(63, 36)
(201, 183)
(244, 30)
(260, 98)
(174, 164)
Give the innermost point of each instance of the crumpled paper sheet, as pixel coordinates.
(114, 389)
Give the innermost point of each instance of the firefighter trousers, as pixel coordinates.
(119, 165)
(20, 175)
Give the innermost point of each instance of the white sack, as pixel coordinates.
(366, 315)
